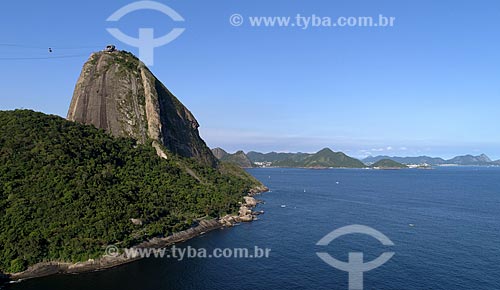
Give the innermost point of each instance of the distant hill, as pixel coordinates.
(470, 160)
(274, 156)
(322, 159)
(239, 158)
(387, 164)
(407, 160)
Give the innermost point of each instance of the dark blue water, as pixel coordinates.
(454, 243)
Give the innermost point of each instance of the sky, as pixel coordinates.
(429, 85)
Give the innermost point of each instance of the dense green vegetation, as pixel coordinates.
(67, 190)
(388, 163)
(322, 159)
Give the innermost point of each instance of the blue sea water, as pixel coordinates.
(445, 224)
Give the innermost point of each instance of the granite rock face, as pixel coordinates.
(118, 93)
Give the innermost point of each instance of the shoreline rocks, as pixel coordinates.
(245, 213)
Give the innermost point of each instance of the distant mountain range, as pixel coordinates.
(466, 160)
(322, 159)
(325, 158)
(328, 158)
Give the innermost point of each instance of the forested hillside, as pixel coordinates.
(67, 190)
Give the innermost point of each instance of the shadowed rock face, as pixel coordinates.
(117, 93)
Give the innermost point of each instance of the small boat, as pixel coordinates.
(283, 206)
(337, 182)
(304, 190)
(411, 225)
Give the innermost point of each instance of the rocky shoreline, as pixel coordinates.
(43, 269)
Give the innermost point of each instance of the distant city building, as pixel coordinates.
(263, 164)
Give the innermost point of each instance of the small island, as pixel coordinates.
(388, 164)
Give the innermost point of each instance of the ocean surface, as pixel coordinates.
(444, 223)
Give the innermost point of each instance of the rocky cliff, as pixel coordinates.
(219, 153)
(116, 92)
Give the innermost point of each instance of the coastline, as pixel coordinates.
(44, 269)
